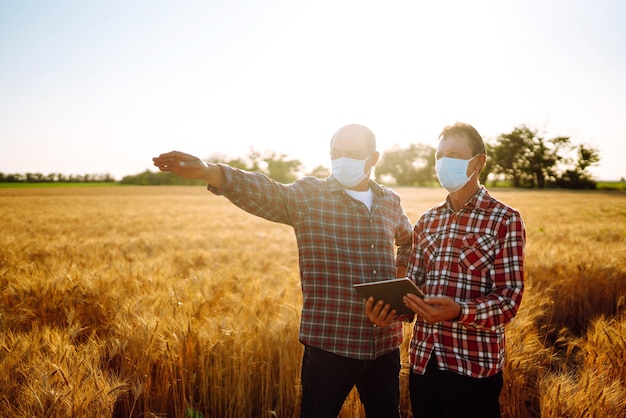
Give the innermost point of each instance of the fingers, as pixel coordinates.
(369, 306)
(413, 302)
(432, 309)
(176, 161)
(417, 305)
(168, 160)
(413, 297)
(170, 157)
(379, 313)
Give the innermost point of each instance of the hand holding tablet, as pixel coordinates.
(391, 291)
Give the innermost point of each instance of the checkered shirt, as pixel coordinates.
(475, 256)
(340, 243)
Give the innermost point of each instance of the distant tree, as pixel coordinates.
(276, 166)
(543, 158)
(239, 163)
(510, 155)
(529, 160)
(32, 177)
(150, 178)
(579, 177)
(412, 166)
(250, 162)
(587, 157)
(55, 177)
(320, 172)
(282, 169)
(572, 179)
(107, 178)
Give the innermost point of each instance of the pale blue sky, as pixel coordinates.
(102, 87)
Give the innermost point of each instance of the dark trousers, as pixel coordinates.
(445, 394)
(327, 380)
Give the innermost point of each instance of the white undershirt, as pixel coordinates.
(366, 197)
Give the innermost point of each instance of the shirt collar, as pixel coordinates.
(480, 201)
(335, 186)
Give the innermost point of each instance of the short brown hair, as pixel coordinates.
(468, 131)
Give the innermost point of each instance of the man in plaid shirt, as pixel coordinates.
(468, 258)
(349, 230)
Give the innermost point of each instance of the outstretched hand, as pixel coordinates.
(181, 164)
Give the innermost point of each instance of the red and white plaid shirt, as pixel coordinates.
(340, 243)
(475, 256)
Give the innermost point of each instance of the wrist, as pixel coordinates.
(213, 175)
(458, 315)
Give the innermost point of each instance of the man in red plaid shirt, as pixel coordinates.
(349, 230)
(468, 258)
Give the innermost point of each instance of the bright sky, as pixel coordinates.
(92, 87)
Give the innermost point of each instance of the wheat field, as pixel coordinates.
(171, 302)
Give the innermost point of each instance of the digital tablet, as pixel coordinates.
(391, 291)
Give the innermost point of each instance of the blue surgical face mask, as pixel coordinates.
(349, 172)
(452, 173)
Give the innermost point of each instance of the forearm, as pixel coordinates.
(253, 192)
(400, 271)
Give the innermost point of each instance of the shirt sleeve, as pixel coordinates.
(404, 236)
(255, 193)
(415, 269)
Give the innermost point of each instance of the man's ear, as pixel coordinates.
(482, 161)
(373, 159)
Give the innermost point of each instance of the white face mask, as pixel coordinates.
(452, 173)
(349, 172)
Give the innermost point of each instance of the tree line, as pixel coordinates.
(521, 159)
(55, 178)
